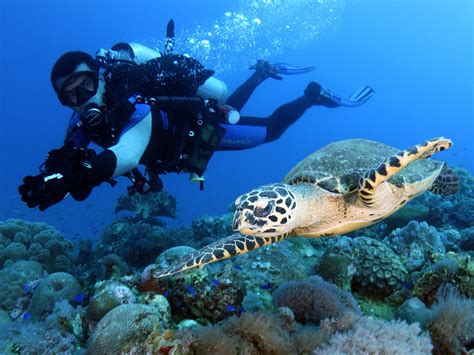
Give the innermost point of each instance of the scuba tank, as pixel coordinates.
(212, 89)
(130, 52)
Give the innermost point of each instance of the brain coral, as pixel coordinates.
(122, 328)
(108, 295)
(379, 270)
(21, 240)
(56, 287)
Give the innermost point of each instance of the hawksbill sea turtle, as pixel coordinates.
(342, 187)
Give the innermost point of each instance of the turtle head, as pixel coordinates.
(267, 211)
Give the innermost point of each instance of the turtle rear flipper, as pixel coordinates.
(373, 178)
(447, 182)
(221, 249)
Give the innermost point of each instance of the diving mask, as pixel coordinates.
(78, 88)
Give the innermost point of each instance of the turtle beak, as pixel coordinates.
(240, 224)
(237, 222)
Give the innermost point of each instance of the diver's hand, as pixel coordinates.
(43, 190)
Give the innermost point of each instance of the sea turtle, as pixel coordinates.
(342, 187)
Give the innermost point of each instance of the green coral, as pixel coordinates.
(454, 269)
(13, 278)
(376, 308)
(336, 268)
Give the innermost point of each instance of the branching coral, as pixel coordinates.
(152, 204)
(374, 336)
(452, 321)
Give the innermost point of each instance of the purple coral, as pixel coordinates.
(314, 299)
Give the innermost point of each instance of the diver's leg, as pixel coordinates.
(252, 131)
(285, 116)
(263, 70)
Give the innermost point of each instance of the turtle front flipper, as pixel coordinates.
(373, 178)
(224, 248)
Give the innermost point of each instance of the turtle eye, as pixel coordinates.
(263, 211)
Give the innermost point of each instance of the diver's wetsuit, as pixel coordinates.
(150, 133)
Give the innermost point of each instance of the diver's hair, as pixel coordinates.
(69, 61)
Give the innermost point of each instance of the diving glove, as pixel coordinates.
(43, 190)
(68, 170)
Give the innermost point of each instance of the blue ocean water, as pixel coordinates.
(418, 56)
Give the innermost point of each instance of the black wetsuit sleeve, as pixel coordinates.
(252, 131)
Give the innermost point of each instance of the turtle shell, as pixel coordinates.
(338, 166)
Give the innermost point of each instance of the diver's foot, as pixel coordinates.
(265, 70)
(319, 95)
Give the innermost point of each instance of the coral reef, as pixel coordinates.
(379, 270)
(414, 310)
(264, 268)
(171, 255)
(108, 295)
(203, 297)
(467, 239)
(36, 338)
(451, 321)
(417, 242)
(21, 240)
(337, 269)
(145, 206)
(122, 328)
(314, 299)
(452, 269)
(371, 294)
(137, 243)
(208, 229)
(374, 336)
(13, 278)
(55, 287)
(251, 333)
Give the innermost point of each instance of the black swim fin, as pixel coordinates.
(169, 43)
(269, 70)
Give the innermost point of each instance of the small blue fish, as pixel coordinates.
(267, 286)
(191, 290)
(242, 310)
(407, 285)
(230, 308)
(26, 289)
(166, 294)
(238, 267)
(27, 316)
(79, 298)
(215, 282)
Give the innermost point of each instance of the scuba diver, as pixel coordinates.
(162, 110)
